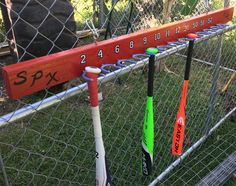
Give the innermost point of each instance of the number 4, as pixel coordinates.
(100, 53)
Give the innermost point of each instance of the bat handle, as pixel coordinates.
(152, 52)
(91, 77)
(192, 38)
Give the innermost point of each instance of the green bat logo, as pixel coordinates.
(148, 131)
(148, 138)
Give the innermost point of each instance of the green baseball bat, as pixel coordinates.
(148, 126)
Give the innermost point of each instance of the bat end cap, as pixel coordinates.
(152, 51)
(94, 70)
(192, 36)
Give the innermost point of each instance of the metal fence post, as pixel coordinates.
(213, 91)
(207, 5)
(101, 12)
(214, 81)
(226, 3)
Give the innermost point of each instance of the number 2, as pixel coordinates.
(83, 59)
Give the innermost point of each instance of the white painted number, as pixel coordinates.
(185, 28)
(167, 33)
(131, 44)
(145, 40)
(117, 49)
(83, 59)
(177, 30)
(157, 36)
(100, 53)
(202, 23)
(210, 20)
(195, 24)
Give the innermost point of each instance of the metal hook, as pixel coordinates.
(215, 28)
(222, 25)
(109, 65)
(120, 61)
(138, 56)
(210, 30)
(163, 48)
(102, 75)
(184, 40)
(204, 33)
(85, 77)
(189, 39)
(175, 43)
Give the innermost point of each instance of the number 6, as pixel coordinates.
(117, 49)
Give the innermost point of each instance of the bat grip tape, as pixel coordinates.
(150, 75)
(189, 59)
(93, 89)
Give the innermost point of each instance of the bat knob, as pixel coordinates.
(91, 69)
(90, 72)
(192, 36)
(151, 51)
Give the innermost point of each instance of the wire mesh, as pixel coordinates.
(55, 145)
(206, 159)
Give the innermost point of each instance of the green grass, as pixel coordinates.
(231, 182)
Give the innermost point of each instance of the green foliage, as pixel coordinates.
(189, 6)
(83, 11)
(234, 20)
(184, 8)
(2, 29)
(217, 4)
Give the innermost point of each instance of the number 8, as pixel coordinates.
(131, 44)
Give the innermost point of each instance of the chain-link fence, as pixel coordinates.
(47, 138)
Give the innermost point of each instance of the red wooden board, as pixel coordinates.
(27, 77)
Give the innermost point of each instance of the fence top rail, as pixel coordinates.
(25, 78)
